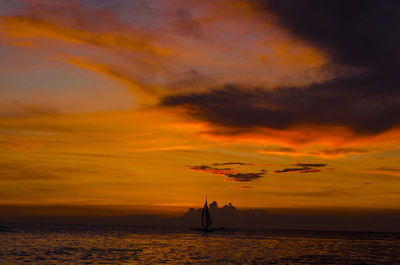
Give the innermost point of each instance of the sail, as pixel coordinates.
(205, 217)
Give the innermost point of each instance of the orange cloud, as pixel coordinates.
(27, 27)
(319, 141)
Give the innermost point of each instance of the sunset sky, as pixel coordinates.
(154, 104)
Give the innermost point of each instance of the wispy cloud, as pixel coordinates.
(337, 152)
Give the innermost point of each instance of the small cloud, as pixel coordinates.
(287, 170)
(279, 151)
(340, 152)
(390, 169)
(309, 165)
(229, 172)
(233, 164)
(243, 187)
(212, 170)
(310, 171)
(302, 168)
(245, 176)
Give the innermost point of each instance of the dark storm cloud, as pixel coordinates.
(361, 34)
(330, 103)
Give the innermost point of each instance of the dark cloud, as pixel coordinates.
(302, 168)
(329, 103)
(246, 176)
(231, 173)
(202, 167)
(286, 170)
(361, 33)
(212, 170)
(310, 171)
(364, 34)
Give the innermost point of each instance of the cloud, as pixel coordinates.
(391, 171)
(324, 153)
(286, 170)
(340, 152)
(147, 94)
(78, 23)
(233, 163)
(311, 170)
(362, 110)
(22, 173)
(212, 170)
(246, 176)
(302, 168)
(362, 35)
(279, 151)
(231, 173)
(15, 108)
(309, 164)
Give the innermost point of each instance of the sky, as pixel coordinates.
(150, 105)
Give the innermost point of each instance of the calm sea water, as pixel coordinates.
(77, 244)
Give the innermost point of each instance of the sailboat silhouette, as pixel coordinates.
(206, 221)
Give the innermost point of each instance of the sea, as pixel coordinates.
(108, 244)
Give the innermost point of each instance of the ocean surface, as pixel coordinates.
(89, 244)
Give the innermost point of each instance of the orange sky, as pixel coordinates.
(82, 120)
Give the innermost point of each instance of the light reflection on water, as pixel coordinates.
(128, 245)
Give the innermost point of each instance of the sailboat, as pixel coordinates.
(206, 221)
